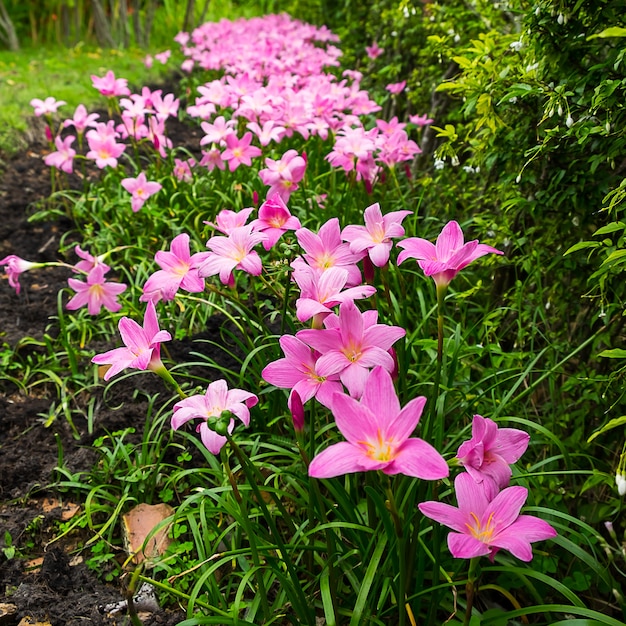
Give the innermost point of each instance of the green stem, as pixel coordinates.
(470, 589)
(432, 425)
(402, 551)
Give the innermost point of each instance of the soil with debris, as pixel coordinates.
(44, 579)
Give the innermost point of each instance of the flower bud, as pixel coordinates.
(620, 481)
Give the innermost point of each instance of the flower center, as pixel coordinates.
(479, 532)
(381, 449)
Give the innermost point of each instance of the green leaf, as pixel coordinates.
(614, 423)
(581, 245)
(614, 353)
(610, 228)
(370, 575)
(612, 31)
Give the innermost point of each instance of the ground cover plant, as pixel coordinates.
(351, 435)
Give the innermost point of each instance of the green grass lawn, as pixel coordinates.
(64, 73)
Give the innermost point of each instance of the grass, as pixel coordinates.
(64, 73)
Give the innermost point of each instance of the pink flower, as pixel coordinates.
(47, 106)
(378, 433)
(373, 51)
(274, 220)
(142, 345)
(217, 400)
(326, 249)
(179, 270)
(15, 266)
(110, 86)
(284, 175)
(95, 292)
(298, 372)
(319, 292)
(218, 131)
(239, 151)
(63, 158)
(351, 344)
(487, 456)
(81, 120)
(445, 259)
(420, 120)
(483, 527)
(227, 220)
(104, 150)
(270, 131)
(233, 252)
(375, 236)
(396, 88)
(182, 169)
(162, 57)
(140, 189)
(88, 261)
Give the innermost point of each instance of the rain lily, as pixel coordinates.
(445, 259)
(283, 176)
(482, 527)
(420, 120)
(227, 220)
(182, 169)
(298, 372)
(217, 400)
(110, 86)
(81, 120)
(375, 236)
(378, 433)
(47, 106)
(274, 220)
(104, 150)
(351, 344)
(140, 189)
(374, 51)
(396, 88)
(233, 252)
(487, 456)
(88, 261)
(16, 266)
(319, 292)
(239, 151)
(95, 292)
(179, 270)
(63, 158)
(142, 349)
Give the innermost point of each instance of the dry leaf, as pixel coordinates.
(138, 523)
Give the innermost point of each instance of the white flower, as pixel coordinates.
(439, 164)
(569, 121)
(517, 45)
(620, 481)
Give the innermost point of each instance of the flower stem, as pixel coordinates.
(470, 589)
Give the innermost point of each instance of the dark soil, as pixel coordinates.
(43, 580)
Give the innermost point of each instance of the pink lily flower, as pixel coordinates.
(88, 261)
(319, 292)
(270, 131)
(298, 372)
(233, 252)
(483, 527)
(81, 120)
(227, 220)
(103, 150)
(378, 433)
(179, 270)
(396, 88)
(63, 157)
(95, 292)
(351, 344)
(283, 176)
(374, 51)
(420, 120)
(15, 266)
(47, 106)
(487, 456)
(162, 57)
(274, 220)
(445, 259)
(217, 400)
(182, 169)
(140, 189)
(375, 236)
(142, 349)
(110, 86)
(218, 131)
(326, 249)
(239, 151)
